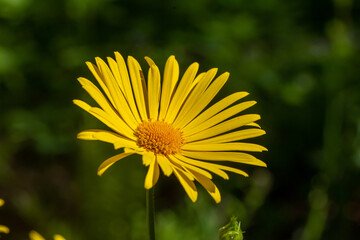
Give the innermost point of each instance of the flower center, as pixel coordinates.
(159, 137)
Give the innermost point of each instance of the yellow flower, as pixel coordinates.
(33, 235)
(167, 122)
(3, 229)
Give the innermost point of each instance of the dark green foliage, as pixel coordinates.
(299, 59)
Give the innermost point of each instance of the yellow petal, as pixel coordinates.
(154, 89)
(208, 166)
(135, 76)
(149, 61)
(106, 136)
(152, 175)
(214, 109)
(224, 147)
(116, 73)
(182, 169)
(234, 170)
(137, 150)
(182, 92)
(165, 165)
(33, 235)
(202, 100)
(119, 99)
(219, 118)
(225, 156)
(212, 167)
(58, 237)
(4, 229)
(114, 123)
(191, 101)
(109, 162)
(209, 186)
(224, 127)
(253, 125)
(190, 167)
(96, 94)
(198, 78)
(128, 92)
(205, 182)
(118, 124)
(99, 77)
(188, 185)
(148, 159)
(233, 136)
(2, 202)
(171, 76)
(109, 80)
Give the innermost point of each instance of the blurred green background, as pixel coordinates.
(299, 59)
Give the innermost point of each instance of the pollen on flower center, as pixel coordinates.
(159, 137)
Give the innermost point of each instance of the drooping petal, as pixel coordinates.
(205, 165)
(188, 185)
(148, 159)
(190, 167)
(152, 175)
(165, 165)
(209, 186)
(110, 161)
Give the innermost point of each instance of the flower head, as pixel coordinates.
(166, 121)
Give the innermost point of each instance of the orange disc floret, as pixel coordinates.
(159, 137)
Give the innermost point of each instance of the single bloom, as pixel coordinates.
(33, 235)
(3, 229)
(167, 123)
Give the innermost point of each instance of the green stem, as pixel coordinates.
(150, 213)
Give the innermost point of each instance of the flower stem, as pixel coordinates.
(150, 213)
